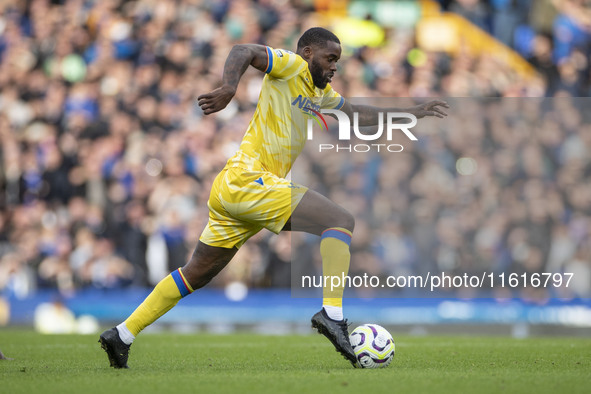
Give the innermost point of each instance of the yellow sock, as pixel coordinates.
(334, 249)
(165, 295)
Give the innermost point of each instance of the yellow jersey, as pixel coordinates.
(278, 130)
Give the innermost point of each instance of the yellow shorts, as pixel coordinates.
(243, 202)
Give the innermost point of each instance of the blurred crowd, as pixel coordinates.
(553, 35)
(106, 161)
(500, 186)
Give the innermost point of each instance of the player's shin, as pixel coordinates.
(165, 295)
(334, 249)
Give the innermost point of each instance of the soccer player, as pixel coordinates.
(251, 192)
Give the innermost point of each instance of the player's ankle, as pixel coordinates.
(333, 312)
(126, 336)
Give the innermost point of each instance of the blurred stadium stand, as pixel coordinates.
(106, 161)
(276, 312)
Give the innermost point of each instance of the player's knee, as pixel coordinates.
(205, 263)
(201, 281)
(347, 221)
(198, 275)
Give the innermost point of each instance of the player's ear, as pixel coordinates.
(307, 52)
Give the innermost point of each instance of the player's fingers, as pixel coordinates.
(212, 110)
(206, 99)
(210, 104)
(211, 107)
(208, 110)
(441, 103)
(204, 96)
(442, 113)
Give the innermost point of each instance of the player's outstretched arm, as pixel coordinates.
(238, 60)
(368, 114)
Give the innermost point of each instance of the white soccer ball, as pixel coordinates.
(373, 346)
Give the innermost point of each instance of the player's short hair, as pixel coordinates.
(316, 36)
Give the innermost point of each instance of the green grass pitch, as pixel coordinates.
(243, 363)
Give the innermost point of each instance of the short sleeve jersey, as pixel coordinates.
(277, 132)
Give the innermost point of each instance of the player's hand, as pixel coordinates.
(216, 100)
(432, 108)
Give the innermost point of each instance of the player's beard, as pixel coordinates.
(318, 76)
